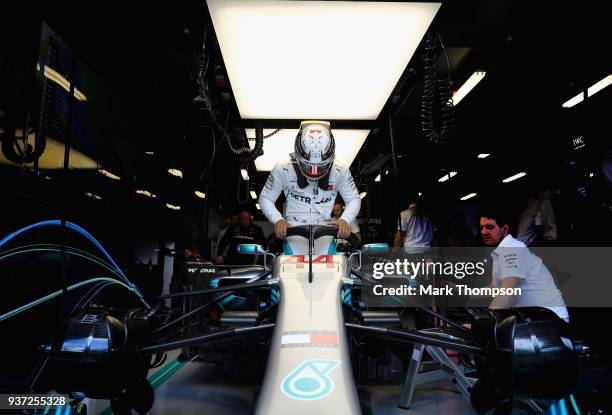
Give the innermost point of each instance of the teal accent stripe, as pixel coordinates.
(130, 286)
(346, 295)
(57, 293)
(157, 379)
(167, 374)
(332, 248)
(287, 248)
(227, 300)
(574, 404)
(552, 410)
(275, 295)
(59, 250)
(88, 297)
(69, 249)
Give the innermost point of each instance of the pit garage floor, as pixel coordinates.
(193, 388)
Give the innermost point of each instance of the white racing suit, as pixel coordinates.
(309, 203)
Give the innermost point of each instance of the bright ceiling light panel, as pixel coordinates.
(253, 195)
(515, 177)
(316, 59)
(109, 174)
(93, 196)
(471, 195)
(175, 172)
(599, 86)
(377, 179)
(280, 145)
(573, 101)
(363, 194)
(483, 155)
(200, 194)
(468, 86)
(145, 193)
(447, 176)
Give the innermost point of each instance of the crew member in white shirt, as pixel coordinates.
(515, 266)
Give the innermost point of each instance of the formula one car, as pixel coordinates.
(304, 312)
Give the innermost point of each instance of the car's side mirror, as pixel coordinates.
(377, 248)
(255, 249)
(251, 249)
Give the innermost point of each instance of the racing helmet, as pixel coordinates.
(315, 149)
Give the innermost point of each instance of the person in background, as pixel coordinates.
(515, 266)
(537, 223)
(243, 232)
(337, 214)
(416, 229)
(232, 220)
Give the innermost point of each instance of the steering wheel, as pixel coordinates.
(322, 230)
(275, 245)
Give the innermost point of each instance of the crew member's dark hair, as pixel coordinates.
(500, 215)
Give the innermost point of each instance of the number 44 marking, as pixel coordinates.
(300, 261)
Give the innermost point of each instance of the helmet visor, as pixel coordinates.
(314, 170)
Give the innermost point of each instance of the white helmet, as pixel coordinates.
(315, 149)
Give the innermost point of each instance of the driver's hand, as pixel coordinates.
(344, 230)
(280, 228)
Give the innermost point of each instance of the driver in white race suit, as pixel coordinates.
(311, 181)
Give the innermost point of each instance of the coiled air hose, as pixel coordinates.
(245, 155)
(435, 84)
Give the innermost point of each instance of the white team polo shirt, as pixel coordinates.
(512, 258)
